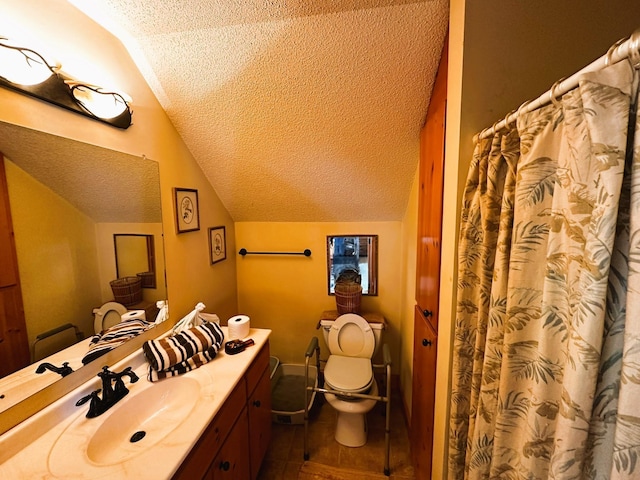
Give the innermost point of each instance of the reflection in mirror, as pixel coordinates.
(67, 200)
(353, 257)
(135, 256)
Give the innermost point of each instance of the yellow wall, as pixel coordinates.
(62, 29)
(288, 293)
(409, 258)
(55, 292)
(106, 257)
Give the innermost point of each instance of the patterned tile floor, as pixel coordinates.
(330, 460)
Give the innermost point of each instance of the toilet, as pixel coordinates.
(108, 315)
(352, 343)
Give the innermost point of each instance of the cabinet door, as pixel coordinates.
(259, 407)
(231, 461)
(423, 395)
(14, 345)
(432, 139)
(198, 463)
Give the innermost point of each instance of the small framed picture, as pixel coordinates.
(187, 215)
(217, 244)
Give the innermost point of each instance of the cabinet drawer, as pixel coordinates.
(200, 457)
(257, 368)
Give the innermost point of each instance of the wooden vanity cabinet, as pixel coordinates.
(236, 440)
(259, 410)
(231, 462)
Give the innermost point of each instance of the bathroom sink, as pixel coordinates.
(141, 420)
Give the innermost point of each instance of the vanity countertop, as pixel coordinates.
(29, 449)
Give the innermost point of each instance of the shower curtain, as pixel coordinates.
(546, 371)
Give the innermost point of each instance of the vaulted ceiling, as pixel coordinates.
(295, 111)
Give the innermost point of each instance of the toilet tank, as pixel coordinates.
(377, 329)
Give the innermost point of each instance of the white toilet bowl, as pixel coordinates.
(352, 342)
(351, 426)
(108, 315)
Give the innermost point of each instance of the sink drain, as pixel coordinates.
(136, 437)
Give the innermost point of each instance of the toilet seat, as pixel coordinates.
(108, 315)
(348, 374)
(351, 336)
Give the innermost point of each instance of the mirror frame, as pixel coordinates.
(372, 249)
(148, 281)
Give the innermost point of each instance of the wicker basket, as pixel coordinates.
(127, 290)
(348, 297)
(148, 279)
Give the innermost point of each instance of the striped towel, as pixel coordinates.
(192, 363)
(164, 353)
(113, 337)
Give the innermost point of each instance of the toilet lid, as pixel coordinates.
(108, 315)
(349, 374)
(351, 336)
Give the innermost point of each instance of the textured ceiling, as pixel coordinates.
(106, 186)
(295, 111)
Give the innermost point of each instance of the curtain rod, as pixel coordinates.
(621, 50)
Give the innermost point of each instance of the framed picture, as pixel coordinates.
(217, 244)
(187, 214)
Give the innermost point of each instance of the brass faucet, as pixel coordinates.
(111, 394)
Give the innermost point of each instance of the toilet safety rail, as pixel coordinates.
(315, 348)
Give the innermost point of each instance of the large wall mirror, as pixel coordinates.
(70, 202)
(353, 257)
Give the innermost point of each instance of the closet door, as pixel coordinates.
(430, 198)
(423, 396)
(14, 344)
(428, 274)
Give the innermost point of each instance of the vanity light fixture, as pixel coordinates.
(97, 101)
(22, 66)
(26, 71)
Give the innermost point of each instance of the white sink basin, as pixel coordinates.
(135, 424)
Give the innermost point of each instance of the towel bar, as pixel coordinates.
(243, 252)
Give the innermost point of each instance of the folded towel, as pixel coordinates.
(113, 337)
(192, 363)
(164, 353)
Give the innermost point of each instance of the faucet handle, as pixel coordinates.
(95, 407)
(133, 378)
(119, 387)
(86, 398)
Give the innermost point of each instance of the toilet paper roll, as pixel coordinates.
(134, 314)
(238, 327)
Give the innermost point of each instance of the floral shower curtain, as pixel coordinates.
(546, 373)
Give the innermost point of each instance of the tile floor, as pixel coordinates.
(330, 460)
